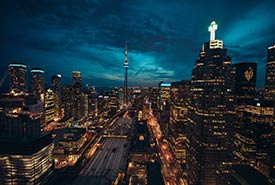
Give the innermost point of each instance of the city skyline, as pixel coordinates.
(154, 125)
(90, 37)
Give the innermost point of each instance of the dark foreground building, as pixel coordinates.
(25, 151)
(245, 174)
(26, 162)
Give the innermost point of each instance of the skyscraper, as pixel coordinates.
(126, 76)
(270, 74)
(68, 101)
(270, 95)
(92, 103)
(77, 106)
(18, 79)
(254, 134)
(38, 83)
(164, 93)
(85, 100)
(210, 115)
(180, 97)
(76, 78)
(56, 87)
(49, 107)
(247, 109)
(164, 104)
(245, 80)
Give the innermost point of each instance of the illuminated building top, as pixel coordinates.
(165, 85)
(76, 73)
(17, 65)
(18, 82)
(212, 28)
(77, 78)
(213, 43)
(37, 70)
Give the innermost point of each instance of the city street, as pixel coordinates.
(171, 170)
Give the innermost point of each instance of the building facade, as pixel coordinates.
(270, 74)
(77, 107)
(25, 152)
(245, 80)
(210, 117)
(68, 101)
(57, 89)
(18, 78)
(180, 99)
(29, 162)
(38, 83)
(253, 137)
(49, 107)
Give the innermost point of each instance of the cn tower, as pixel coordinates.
(126, 76)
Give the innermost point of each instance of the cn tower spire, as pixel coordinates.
(126, 76)
(126, 55)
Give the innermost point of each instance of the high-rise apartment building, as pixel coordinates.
(57, 89)
(68, 101)
(38, 83)
(92, 101)
(49, 107)
(164, 94)
(164, 106)
(18, 78)
(77, 106)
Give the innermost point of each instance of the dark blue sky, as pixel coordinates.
(164, 37)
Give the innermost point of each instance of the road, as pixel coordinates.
(171, 170)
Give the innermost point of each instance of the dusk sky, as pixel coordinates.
(164, 37)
